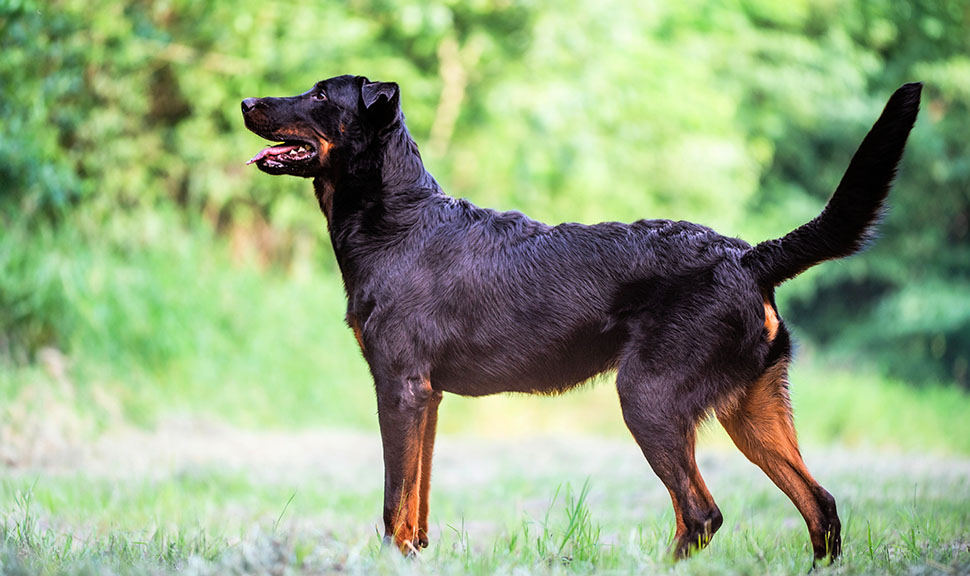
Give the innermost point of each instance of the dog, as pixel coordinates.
(444, 296)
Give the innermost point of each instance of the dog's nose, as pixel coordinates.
(249, 103)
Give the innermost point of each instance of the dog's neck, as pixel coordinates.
(390, 169)
(375, 195)
(401, 167)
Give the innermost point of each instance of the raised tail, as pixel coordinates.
(848, 219)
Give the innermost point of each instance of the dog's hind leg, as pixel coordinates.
(665, 428)
(760, 423)
(427, 449)
(402, 409)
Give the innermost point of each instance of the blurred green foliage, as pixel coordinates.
(121, 141)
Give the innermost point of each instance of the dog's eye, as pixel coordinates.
(320, 95)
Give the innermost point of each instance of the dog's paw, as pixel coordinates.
(409, 547)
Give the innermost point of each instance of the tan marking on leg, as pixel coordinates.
(404, 453)
(427, 450)
(771, 322)
(761, 426)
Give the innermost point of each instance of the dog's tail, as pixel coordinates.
(847, 222)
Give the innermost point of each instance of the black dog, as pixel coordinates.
(444, 296)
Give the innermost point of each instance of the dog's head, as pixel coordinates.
(323, 128)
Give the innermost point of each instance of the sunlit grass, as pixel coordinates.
(566, 516)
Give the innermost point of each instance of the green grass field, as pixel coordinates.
(203, 499)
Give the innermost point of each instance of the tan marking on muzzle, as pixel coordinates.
(300, 132)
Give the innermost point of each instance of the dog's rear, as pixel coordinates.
(759, 420)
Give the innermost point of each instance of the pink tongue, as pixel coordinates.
(271, 151)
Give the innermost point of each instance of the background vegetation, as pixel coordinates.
(120, 138)
(146, 273)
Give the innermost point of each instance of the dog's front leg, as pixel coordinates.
(427, 450)
(402, 404)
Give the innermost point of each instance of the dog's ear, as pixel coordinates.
(381, 100)
(372, 92)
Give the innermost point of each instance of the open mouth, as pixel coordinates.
(282, 155)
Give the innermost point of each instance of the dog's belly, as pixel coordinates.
(528, 363)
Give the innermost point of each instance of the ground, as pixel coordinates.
(194, 496)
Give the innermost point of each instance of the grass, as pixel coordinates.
(491, 514)
(189, 324)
